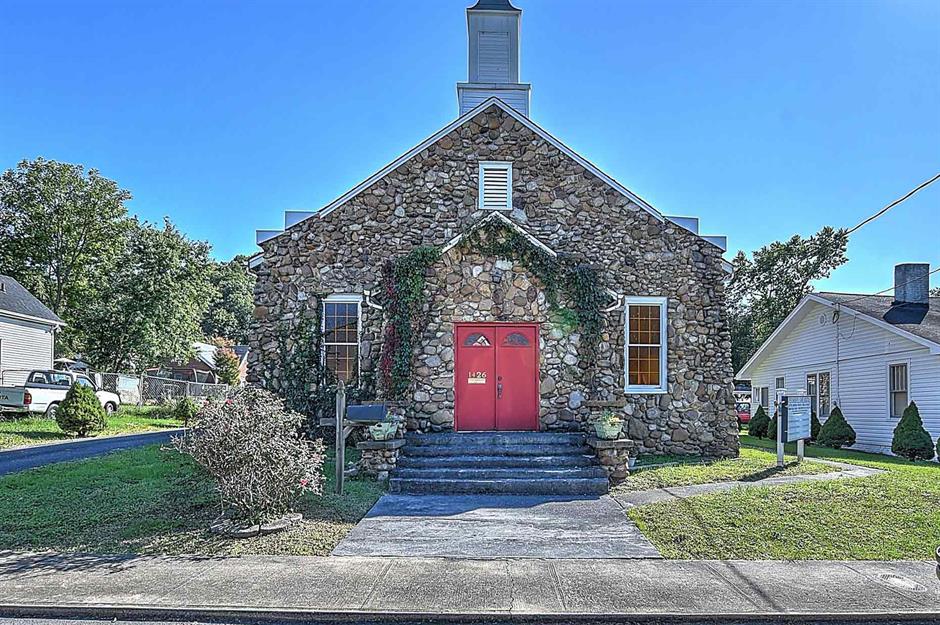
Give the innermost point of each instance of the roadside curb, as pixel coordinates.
(292, 615)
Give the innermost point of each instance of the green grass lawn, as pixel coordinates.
(892, 516)
(34, 430)
(150, 500)
(752, 465)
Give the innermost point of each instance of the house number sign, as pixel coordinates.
(476, 377)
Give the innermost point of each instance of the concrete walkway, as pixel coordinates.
(20, 458)
(281, 587)
(640, 498)
(496, 526)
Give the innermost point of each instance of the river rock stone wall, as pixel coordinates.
(432, 198)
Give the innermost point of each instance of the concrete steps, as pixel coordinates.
(508, 463)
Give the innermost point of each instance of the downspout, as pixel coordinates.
(836, 317)
(369, 302)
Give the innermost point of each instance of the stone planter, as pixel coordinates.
(613, 456)
(379, 457)
(383, 431)
(607, 431)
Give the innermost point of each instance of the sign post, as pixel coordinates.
(340, 435)
(793, 424)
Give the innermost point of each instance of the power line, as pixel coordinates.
(881, 292)
(884, 210)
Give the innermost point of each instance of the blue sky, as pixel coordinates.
(764, 119)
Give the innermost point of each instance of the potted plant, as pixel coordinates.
(608, 426)
(386, 429)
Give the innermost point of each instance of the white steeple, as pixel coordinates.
(493, 28)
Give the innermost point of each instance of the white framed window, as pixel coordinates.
(645, 345)
(761, 395)
(342, 326)
(824, 401)
(898, 388)
(495, 182)
(780, 387)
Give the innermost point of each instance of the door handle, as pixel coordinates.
(499, 390)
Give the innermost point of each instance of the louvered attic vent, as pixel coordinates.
(496, 185)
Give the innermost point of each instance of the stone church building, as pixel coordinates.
(528, 289)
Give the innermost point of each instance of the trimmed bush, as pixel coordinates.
(836, 431)
(251, 446)
(911, 440)
(772, 428)
(814, 427)
(758, 423)
(80, 413)
(185, 410)
(938, 457)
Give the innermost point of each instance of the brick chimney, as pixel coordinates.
(912, 283)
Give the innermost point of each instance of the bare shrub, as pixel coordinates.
(251, 445)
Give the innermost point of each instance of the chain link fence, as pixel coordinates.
(148, 389)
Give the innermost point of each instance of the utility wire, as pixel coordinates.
(855, 299)
(884, 210)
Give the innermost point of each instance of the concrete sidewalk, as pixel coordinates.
(306, 587)
(21, 458)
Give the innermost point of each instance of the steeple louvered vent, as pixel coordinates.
(496, 185)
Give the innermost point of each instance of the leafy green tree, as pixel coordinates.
(61, 229)
(935, 292)
(768, 285)
(911, 440)
(80, 413)
(151, 308)
(227, 365)
(230, 309)
(836, 431)
(758, 423)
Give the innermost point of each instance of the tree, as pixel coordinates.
(935, 292)
(911, 440)
(80, 413)
(758, 424)
(836, 431)
(227, 364)
(230, 309)
(61, 229)
(768, 285)
(150, 310)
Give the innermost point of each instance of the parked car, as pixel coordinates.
(744, 412)
(44, 390)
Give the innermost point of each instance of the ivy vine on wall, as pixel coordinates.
(404, 279)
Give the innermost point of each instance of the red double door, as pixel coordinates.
(496, 376)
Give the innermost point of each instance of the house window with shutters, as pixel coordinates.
(646, 345)
(496, 185)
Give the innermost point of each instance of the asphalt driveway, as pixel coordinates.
(22, 458)
(496, 526)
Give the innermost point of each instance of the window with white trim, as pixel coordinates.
(825, 395)
(780, 387)
(645, 345)
(495, 185)
(761, 397)
(898, 395)
(341, 324)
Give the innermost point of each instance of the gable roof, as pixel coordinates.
(927, 333)
(18, 303)
(469, 115)
(922, 321)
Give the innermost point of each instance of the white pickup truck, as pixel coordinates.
(43, 390)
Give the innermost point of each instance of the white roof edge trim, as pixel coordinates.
(39, 320)
(509, 222)
(326, 210)
(743, 373)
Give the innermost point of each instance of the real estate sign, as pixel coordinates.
(795, 417)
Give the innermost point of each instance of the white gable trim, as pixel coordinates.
(39, 320)
(326, 210)
(796, 315)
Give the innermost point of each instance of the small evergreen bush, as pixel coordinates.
(80, 413)
(814, 427)
(836, 431)
(772, 428)
(185, 410)
(938, 456)
(758, 424)
(911, 440)
(251, 446)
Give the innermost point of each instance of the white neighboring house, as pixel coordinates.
(27, 329)
(871, 355)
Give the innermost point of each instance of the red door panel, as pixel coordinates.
(475, 378)
(496, 381)
(517, 393)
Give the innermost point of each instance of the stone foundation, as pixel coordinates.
(613, 456)
(379, 457)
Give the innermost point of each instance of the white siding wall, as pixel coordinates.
(25, 345)
(860, 382)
